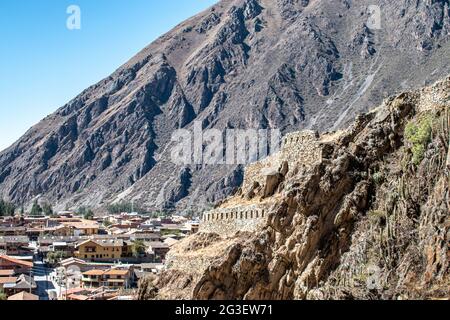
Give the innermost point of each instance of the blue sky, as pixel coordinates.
(43, 64)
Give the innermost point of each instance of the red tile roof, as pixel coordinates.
(94, 272)
(117, 272)
(78, 297)
(6, 273)
(74, 291)
(17, 261)
(22, 296)
(4, 280)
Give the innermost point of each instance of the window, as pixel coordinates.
(90, 249)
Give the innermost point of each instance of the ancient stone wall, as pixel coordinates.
(432, 97)
(298, 148)
(227, 221)
(302, 148)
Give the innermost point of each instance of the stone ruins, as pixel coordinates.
(299, 149)
(227, 221)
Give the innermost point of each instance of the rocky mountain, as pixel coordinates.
(369, 219)
(285, 64)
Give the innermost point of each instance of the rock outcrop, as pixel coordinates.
(368, 221)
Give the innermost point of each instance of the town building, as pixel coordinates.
(82, 265)
(19, 266)
(7, 273)
(93, 278)
(13, 231)
(23, 283)
(14, 245)
(83, 227)
(23, 296)
(7, 281)
(158, 249)
(111, 278)
(118, 278)
(83, 294)
(101, 250)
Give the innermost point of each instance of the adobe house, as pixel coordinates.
(19, 266)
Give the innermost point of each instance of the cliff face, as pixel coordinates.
(368, 220)
(279, 64)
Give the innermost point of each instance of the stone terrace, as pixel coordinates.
(227, 221)
(303, 148)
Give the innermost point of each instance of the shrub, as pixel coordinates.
(2, 295)
(54, 258)
(36, 210)
(6, 208)
(378, 178)
(86, 213)
(419, 134)
(138, 248)
(124, 206)
(47, 209)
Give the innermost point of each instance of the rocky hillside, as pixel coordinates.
(370, 220)
(241, 64)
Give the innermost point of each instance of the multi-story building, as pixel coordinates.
(23, 283)
(148, 236)
(13, 231)
(111, 278)
(57, 231)
(19, 266)
(82, 227)
(158, 249)
(77, 226)
(102, 250)
(92, 278)
(117, 278)
(14, 245)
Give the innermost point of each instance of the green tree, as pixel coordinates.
(54, 258)
(120, 207)
(107, 223)
(36, 210)
(89, 215)
(6, 208)
(86, 212)
(125, 206)
(47, 209)
(138, 248)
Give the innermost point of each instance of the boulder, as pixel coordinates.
(273, 179)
